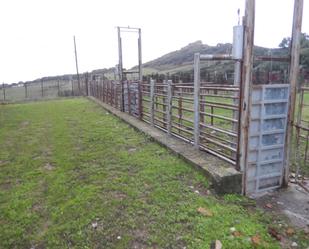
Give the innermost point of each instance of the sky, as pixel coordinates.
(36, 36)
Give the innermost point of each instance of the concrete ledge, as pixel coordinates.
(225, 179)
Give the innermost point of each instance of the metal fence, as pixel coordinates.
(302, 133)
(43, 89)
(171, 107)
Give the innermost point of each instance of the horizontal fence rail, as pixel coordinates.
(171, 108)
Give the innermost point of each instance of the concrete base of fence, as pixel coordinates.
(224, 178)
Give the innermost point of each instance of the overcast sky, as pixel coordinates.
(37, 35)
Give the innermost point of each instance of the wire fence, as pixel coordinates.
(301, 143)
(42, 89)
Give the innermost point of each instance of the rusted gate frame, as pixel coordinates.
(204, 90)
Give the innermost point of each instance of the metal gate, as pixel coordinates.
(267, 132)
(301, 149)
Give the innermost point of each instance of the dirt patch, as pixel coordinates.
(24, 124)
(40, 245)
(140, 239)
(132, 150)
(140, 245)
(2, 163)
(289, 209)
(6, 186)
(47, 153)
(49, 166)
(118, 195)
(37, 208)
(292, 202)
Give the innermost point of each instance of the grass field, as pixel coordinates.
(74, 176)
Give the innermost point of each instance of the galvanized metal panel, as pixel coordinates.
(267, 137)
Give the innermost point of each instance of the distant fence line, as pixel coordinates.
(42, 89)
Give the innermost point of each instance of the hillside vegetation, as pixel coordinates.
(180, 62)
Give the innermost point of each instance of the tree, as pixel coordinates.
(304, 48)
(285, 43)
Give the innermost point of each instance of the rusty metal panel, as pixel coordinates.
(267, 133)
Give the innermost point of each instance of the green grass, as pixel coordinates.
(67, 164)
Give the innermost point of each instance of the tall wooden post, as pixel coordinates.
(249, 21)
(197, 83)
(76, 63)
(294, 72)
(120, 69)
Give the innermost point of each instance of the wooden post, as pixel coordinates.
(115, 94)
(42, 88)
(169, 107)
(26, 91)
(3, 91)
(72, 87)
(86, 84)
(104, 91)
(294, 72)
(76, 63)
(128, 97)
(246, 87)
(152, 100)
(197, 82)
(120, 69)
(58, 85)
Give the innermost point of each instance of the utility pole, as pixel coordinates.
(76, 63)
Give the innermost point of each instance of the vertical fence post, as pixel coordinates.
(140, 100)
(169, 107)
(294, 73)
(87, 84)
(152, 101)
(246, 88)
(104, 92)
(115, 94)
(72, 87)
(179, 109)
(164, 102)
(58, 85)
(42, 88)
(3, 91)
(26, 91)
(197, 100)
(129, 97)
